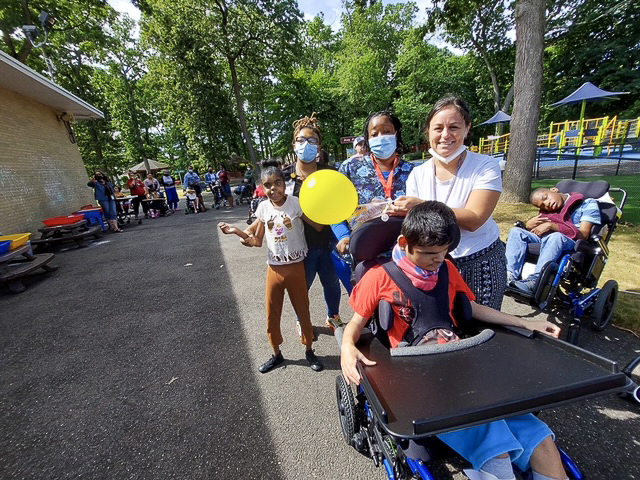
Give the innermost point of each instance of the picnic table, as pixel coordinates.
(77, 232)
(18, 263)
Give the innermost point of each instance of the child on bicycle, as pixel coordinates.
(427, 232)
(280, 220)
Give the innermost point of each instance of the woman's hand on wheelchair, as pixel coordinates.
(349, 358)
(544, 326)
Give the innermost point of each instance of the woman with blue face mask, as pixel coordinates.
(381, 174)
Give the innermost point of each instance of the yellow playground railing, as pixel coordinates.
(600, 133)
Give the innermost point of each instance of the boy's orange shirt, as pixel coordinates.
(377, 285)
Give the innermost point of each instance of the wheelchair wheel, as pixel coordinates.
(346, 408)
(604, 305)
(544, 287)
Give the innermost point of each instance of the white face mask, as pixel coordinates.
(451, 157)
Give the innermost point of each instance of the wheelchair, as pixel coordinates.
(408, 397)
(571, 283)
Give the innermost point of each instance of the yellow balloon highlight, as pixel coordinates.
(328, 197)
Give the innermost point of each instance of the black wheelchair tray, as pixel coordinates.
(511, 374)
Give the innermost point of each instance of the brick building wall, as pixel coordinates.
(41, 171)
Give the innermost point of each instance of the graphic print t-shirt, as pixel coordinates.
(283, 230)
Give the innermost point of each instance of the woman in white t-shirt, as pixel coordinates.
(280, 221)
(470, 184)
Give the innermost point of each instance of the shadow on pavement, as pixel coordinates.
(125, 363)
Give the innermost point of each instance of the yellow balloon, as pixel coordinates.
(328, 197)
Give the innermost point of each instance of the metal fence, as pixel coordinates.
(572, 162)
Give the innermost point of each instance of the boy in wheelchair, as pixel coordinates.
(428, 232)
(564, 218)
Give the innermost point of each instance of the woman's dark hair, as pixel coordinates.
(102, 175)
(270, 167)
(457, 103)
(430, 224)
(396, 124)
(307, 122)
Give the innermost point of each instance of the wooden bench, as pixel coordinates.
(77, 232)
(18, 263)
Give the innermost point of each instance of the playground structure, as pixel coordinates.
(605, 136)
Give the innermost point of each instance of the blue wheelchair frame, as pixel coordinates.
(576, 300)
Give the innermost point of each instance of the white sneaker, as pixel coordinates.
(511, 278)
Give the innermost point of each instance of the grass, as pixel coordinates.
(624, 258)
(629, 183)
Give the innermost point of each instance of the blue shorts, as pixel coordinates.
(518, 436)
(227, 189)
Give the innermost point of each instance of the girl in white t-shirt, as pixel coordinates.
(280, 221)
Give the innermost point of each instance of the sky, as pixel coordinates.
(310, 8)
(332, 10)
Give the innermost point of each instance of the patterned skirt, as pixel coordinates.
(485, 271)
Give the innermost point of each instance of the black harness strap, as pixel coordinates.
(431, 308)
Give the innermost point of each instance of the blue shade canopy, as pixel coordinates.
(499, 117)
(588, 91)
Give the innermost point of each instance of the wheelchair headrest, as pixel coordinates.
(376, 237)
(594, 189)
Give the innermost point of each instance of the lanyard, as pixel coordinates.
(455, 177)
(388, 183)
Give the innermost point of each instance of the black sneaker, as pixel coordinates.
(314, 363)
(271, 363)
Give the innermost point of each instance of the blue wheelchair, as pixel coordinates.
(571, 283)
(408, 397)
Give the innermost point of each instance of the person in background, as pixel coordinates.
(248, 176)
(157, 206)
(122, 208)
(360, 147)
(169, 184)
(104, 195)
(138, 190)
(471, 184)
(192, 180)
(210, 178)
(381, 174)
(225, 183)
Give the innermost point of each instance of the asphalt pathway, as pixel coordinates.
(138, 359)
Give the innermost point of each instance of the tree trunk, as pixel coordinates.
(526, 108)
(241, 116)
(134, 121)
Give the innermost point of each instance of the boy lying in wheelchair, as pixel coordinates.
(422, 314)
(564, 218)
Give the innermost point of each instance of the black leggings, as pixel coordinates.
(136, 204)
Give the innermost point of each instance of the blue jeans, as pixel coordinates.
(109, 209)
(552, 247)
(319, 261)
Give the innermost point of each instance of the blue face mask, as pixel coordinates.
(383, 146)
(306, 152)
